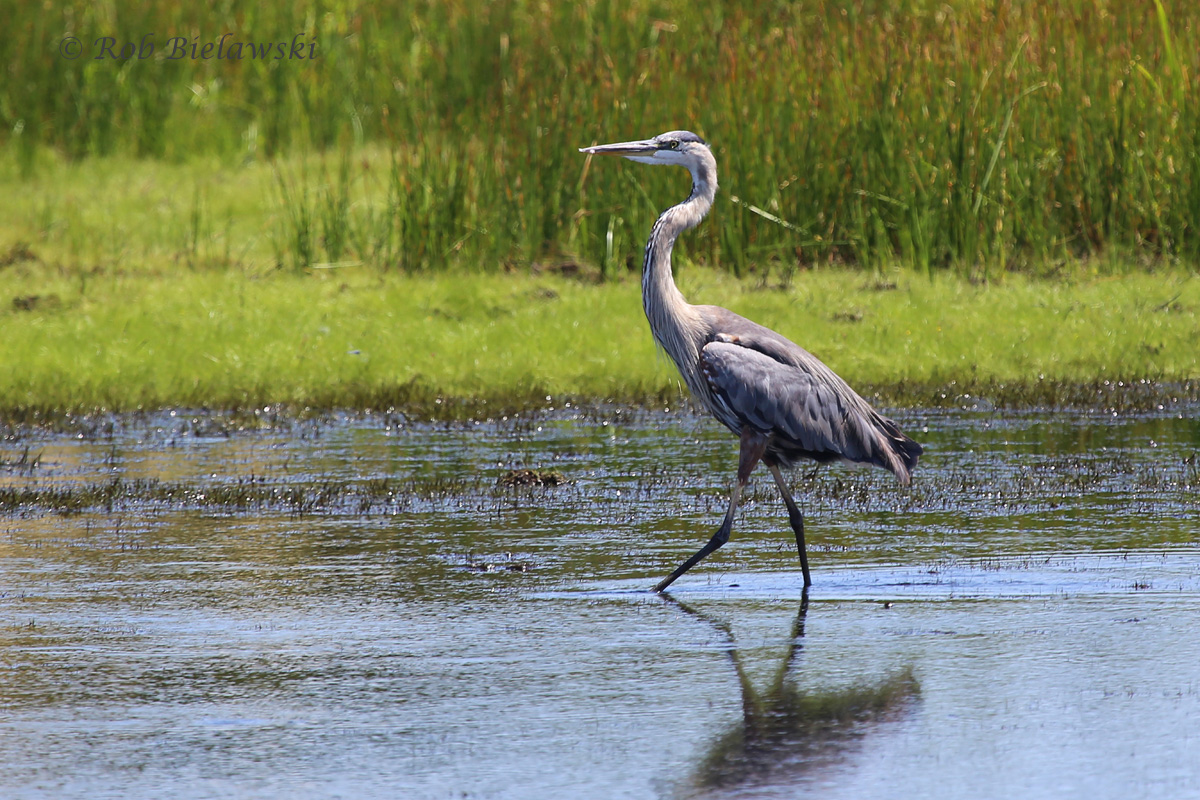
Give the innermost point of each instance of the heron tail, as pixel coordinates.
(901, 452)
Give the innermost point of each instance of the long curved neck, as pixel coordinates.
(675, 324)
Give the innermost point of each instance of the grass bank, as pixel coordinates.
(356, 338)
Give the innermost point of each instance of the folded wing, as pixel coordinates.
(775, 387)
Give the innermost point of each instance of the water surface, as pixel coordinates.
(360, 607)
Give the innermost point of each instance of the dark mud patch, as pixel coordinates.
(531, 477)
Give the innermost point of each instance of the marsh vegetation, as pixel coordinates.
(954, 135)
(405, 218)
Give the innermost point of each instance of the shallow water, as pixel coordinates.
(355, 607)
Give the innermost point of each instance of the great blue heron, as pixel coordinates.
(779, 399)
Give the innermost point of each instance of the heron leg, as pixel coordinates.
(797, 520)
(753, 445)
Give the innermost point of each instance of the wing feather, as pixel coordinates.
(776, 387)
(773, 397)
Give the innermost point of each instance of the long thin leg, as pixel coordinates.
(753, 445)
(796, 518)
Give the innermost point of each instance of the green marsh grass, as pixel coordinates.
(354, 337)
(935, 198)
(973, 136)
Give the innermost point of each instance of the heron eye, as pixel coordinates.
(673, 144)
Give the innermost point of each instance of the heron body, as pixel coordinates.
(782, 402)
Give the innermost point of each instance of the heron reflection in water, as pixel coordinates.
(785, 731)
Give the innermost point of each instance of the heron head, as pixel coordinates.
(682, 148)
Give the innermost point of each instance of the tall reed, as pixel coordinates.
(960, 134)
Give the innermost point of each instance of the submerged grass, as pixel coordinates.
(1018, 480)
(452, 344)
(254, 494)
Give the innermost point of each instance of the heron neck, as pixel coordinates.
(673, 321)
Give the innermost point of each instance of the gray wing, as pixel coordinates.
(763, 380)
(773, 397)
